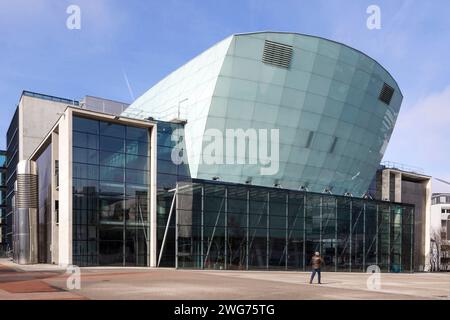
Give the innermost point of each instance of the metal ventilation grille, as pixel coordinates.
(386, 94)
(27, 191)
(277, 54)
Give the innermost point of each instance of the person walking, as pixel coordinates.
(316, 262)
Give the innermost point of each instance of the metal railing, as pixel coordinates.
(402, 167)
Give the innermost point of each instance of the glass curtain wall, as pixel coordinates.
(170, 140)
(111, 191)
(44, 163)
(2, 200)
(239, 227)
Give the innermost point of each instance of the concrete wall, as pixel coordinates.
(414, 189)
(65, 190)
(55, 197)
(36, 119)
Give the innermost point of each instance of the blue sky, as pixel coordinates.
(146, 40)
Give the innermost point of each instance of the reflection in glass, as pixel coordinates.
(110, 198)
(224, 226)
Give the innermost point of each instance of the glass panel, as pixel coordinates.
(110, 217)
(112, 130)
(85, 125)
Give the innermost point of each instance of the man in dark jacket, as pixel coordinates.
(316, 262)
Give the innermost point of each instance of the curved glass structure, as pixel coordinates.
(335, 109)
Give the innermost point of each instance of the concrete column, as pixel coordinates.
(153, 199)
(385, 184)
(54, 247)
(427, 225)
(65, 190)
(398, 187)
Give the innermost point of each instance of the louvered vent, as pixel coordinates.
(27, 191)
(277, 54)
(386, 94)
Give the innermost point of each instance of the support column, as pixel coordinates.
(385, 185)
(364, 238)
(177, 205)
(226, 229)
(202, 218)
(398, 187)
(351, 236)
(287, 232)
(336, 236)
(304, 232)
(267, 230)
(248, 231)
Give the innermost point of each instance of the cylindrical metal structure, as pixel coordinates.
(26, 213)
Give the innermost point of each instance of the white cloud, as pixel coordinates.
(422, 136)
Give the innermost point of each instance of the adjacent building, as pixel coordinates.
(398, 183)
(35, 115)
(132, 186)
(440, 233)
(3, 247)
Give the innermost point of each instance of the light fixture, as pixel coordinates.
(303, 188)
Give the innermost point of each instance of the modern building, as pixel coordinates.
(110, 195)
(335, 109)
(138, 188)
(2, 200)
(398, 183)
(34, 116)
(440, 234)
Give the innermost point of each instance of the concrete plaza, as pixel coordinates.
(50, 282)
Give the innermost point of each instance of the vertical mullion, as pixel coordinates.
(248, 229)
(176, 227)
(202, 227)
(320, 223)
(267, 230)
(304, 231)
(364, 238)
(226, 228)
(377, 237)
(351, 235)
(124, 206)
(413, 219)
(336, 236)
(389, 238)
(287, 232)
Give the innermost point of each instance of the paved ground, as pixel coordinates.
(50, 282)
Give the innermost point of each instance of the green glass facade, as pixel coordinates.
(241, 227)
(334, 108)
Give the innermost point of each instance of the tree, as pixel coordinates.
(435, 250)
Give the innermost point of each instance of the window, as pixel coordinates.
(57, 211)
(57, 173)
(110, 163)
